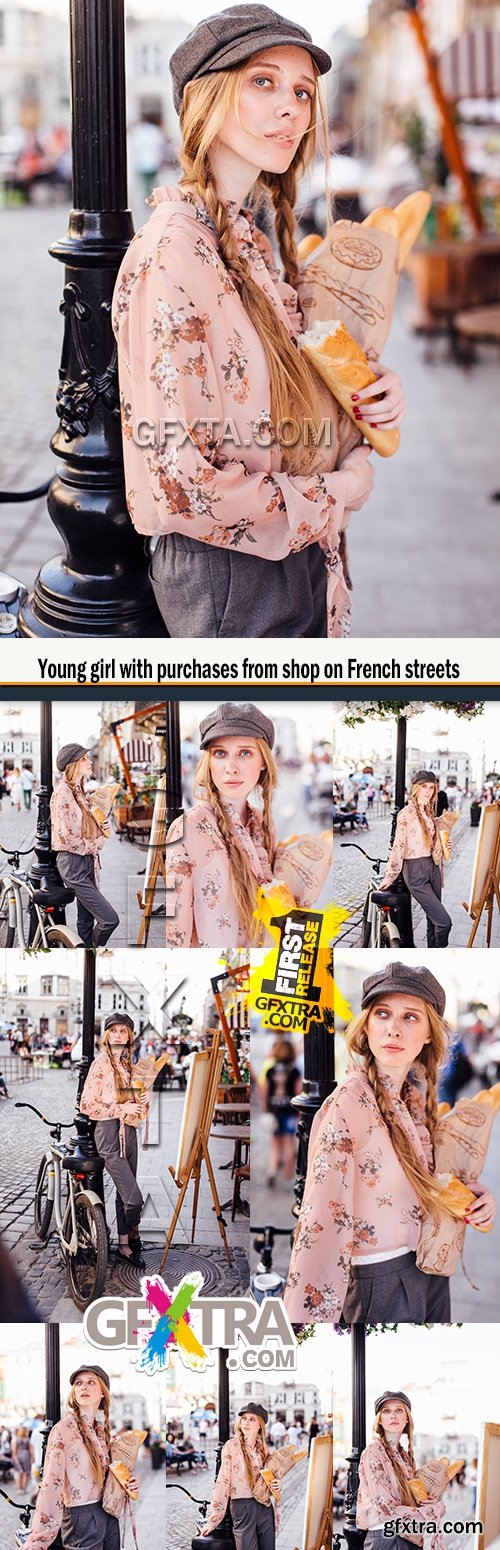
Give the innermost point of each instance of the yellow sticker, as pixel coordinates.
(293, 990)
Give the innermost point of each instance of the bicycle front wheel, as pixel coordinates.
(389, 936)
(7, 917)
(61, 936)
(86, 1270)
(44, 1200)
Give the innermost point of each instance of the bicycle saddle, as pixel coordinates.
(82, 1164)
(57, 897)
(386, 896)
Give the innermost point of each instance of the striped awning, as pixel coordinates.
(138, 751)
(470, 66)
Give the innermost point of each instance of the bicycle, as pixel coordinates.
(80, 1222)
(24, 910)
(378, 929)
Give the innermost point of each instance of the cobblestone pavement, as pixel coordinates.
(182, 1514)
(22, 1141)
(426, 503)
(149, 1509)
(122, 876)
(351, 874)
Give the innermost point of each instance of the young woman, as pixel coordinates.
(78, 838)
(109, 1099)
(370, 1166)
(242, 1458)
(216, 397)
(222, 848)
(280, 1082)
(385, 1467)
(16, 790)
(76, 1464)
(22, 1458)
(417, 853)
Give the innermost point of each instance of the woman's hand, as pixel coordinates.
(132, 1486)
(359, 477)
(391, 410)
(482, 1214)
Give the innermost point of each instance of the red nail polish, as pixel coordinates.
(355, 397)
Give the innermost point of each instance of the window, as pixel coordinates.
(22, 985)
(46, 985)
(62, 985)
(149, 59)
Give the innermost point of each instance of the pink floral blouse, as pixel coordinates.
(195, 398)
(98, 1098)
(357, 1199)
(206, 911)
(379, 1495)
(409, 842)
(68, 1480)
(232, 1480)
(66, 821)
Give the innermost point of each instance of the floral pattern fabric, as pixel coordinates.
(206, 911)
(99, 1099)
(66, 822)
(68, 1480)
(195, 398)
(232, 1481)
(410, 842)
(379, 1495)
(357, 1199)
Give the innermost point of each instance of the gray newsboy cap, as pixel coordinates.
(87, 1367)
(253, 1409)
(233, 35)
(69, 753)
(230, 720)
(423, 776)
(392, 1394)
(118, 1017)
(402, 978)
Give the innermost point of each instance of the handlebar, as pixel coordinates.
(14, 855)
(277, 1232)
(351, 845)
(58, 1122)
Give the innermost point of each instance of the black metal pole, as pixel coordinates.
(100, 586)
(319, 1082)
(52, 1395)
(173, 761)
(222, 1537)
(402, 911)
(84, 1148)
(43, 871)
(355, 1536)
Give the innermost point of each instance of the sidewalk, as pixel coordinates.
(22, 1142)
(149, 1509)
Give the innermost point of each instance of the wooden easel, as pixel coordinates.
(490, 892)
(235, 974)
(199, 1150)
(155, 863)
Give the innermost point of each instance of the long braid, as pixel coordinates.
(242, 878)
(86, 1432)
(260, 1447)
(283, 191)
(122, 1071)
(90, 828)
(398, 1457)
(428, 1192)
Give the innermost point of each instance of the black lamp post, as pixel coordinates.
(319, 1082)
(100, 586)
(52, 1395)
(222, 1537)
(173, 761)
(84, 1148)
(402, 910)
(355, 1536)
(43, 871)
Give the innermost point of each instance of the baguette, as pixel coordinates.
(457, 1198)
(341, 364)
(307, 245)
(405, 222)
(122, 1473)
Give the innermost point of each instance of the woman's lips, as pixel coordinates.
(396, 1047)
(282, 139)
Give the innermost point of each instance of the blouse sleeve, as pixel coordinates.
(67, 823)
(92, 1101)
(397, 853)
(220, 1494)
(50, 1500)
(321, 1256)
(179, 884)
(377, 1490)
(172, 398)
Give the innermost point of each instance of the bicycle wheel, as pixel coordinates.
(61, 936)
(389, 936)
(44, 1203)
(7, 917)
(86, 1270)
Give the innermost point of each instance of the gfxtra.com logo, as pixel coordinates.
(172, 1328)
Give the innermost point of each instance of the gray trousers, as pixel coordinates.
(89, 1528)
(96, 918)
(423, 878)
(377, 1540)
(205, 592)
(396, 1291)
(122, 1170)
(253, 1524)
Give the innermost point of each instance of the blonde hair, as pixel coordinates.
(123, 1084)
(429, 1194)
(294, 391)
(261, 1448)
(396, 1455)
(429, 808)
(90, 828)
(86, 1435)
(242, 877)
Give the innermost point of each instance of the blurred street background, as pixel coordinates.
(413, 102)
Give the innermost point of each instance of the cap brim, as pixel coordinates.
(237, 52)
